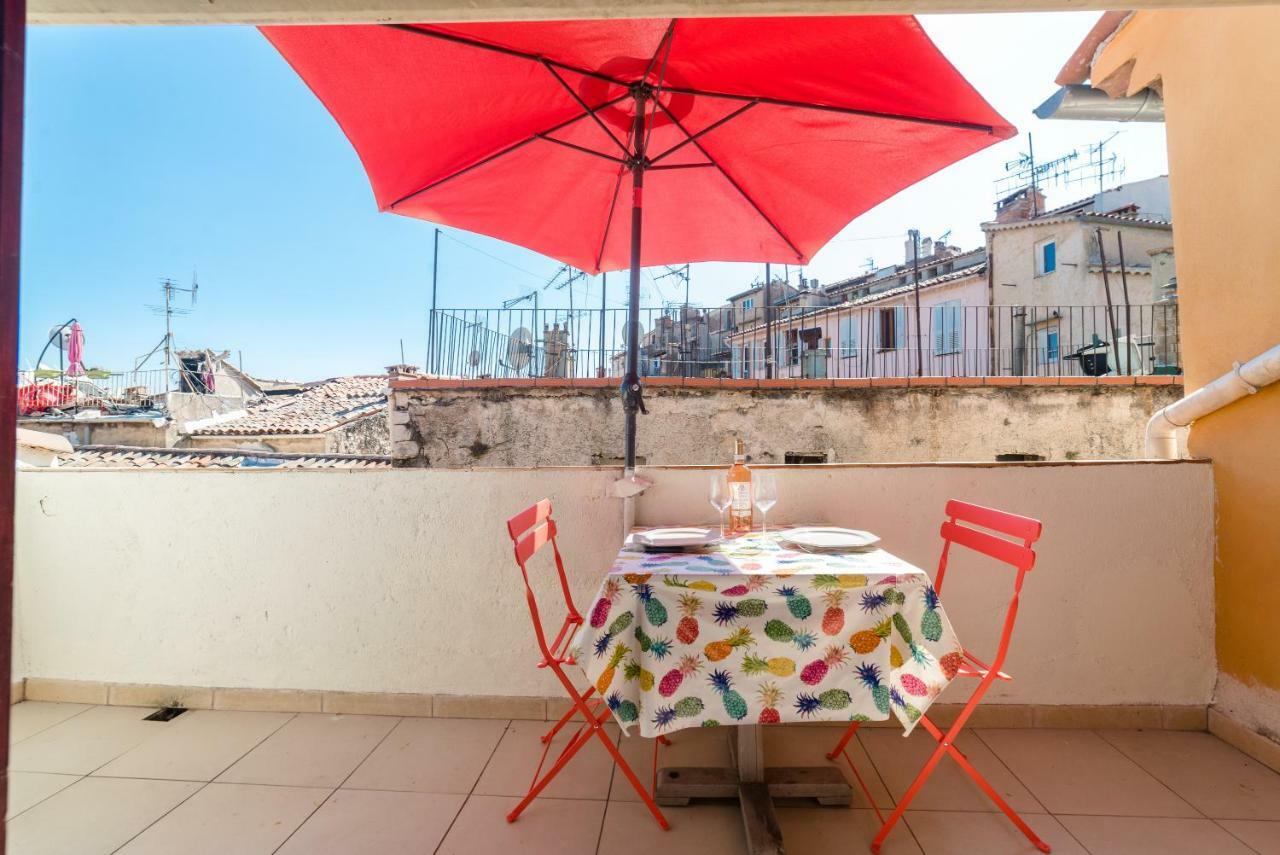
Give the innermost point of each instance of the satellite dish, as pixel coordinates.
(474, 359)
(60, 336)
(626, 330)
(520, 348)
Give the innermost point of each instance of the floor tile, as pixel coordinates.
(30, 788)
(1078, 772)
(547, 827)
(30, 717)
(197, 746)
(825, 831)
(899, 759)
(808, 746)
(695, 746)
(86, 741)
(95, 815)
(950, 833)
(311, 750)
(706, 828)
(430, 755)
(1126, 835)
(246, 819)
(388, 823)
(510, 772)
(1218, 780)
(1262, 837)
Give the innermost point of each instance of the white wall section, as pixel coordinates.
(403, 581)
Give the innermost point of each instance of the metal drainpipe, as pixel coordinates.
(1241, 380)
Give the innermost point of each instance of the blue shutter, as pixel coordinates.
(1050, 257)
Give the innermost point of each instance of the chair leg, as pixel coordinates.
(844, 740)
(945, 746)
(840, 751)
(595, 727)
(564, 719)
(995, 797)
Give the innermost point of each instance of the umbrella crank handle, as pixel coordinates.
(632, 395)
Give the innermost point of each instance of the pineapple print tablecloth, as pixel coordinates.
(753, 633)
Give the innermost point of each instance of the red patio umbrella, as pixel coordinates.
(742, 139)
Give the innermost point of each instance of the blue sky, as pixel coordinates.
(155, 152)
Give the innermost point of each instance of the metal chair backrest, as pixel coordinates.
(1013, 548)
(531, 530)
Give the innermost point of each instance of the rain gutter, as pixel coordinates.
(1082, 102)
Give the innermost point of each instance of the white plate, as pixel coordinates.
(664, 537)
(827, 537)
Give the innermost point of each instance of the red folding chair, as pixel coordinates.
(530, 530)
(1022, 558)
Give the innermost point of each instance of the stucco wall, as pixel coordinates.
(145, 433)
(369, 435)
(403, 580)
(1211, 65)
(572, 426)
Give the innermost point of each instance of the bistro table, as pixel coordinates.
(752, 632)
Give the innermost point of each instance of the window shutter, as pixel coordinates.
(900, 326)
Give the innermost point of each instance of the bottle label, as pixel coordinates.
(740, 504)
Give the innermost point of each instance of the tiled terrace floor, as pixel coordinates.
(90, 780)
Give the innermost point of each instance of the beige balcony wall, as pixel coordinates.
(402, 580)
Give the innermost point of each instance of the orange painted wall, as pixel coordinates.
(1220, 71)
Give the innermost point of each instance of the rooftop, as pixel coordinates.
(101, 779)
(321, 407)
(127, 457)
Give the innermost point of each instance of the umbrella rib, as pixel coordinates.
(581, 148)
(708, 129)
(514, 146)
(519, 54)
(735, 184)
(849, 111)
(583, 104)
(608, 222)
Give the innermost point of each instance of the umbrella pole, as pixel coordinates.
(631, 389)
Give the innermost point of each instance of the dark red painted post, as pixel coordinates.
(13, 47)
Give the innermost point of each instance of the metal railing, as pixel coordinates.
(124, 389)
(943, 340)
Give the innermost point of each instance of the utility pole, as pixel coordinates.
(768, 323)
(1128, 328)
(431, 327)
(1106, 286)
(915, 279)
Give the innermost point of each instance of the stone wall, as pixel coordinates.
(449, 424)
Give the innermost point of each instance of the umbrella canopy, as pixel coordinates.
(742, 139)
(75, 350)
(521, 130)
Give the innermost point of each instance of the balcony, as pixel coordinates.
(355, 655)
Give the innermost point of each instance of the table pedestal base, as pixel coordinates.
(755, 787)
(678, 785)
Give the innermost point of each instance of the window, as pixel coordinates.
(946, 328)
(1048, 349)
(849, 335)
(1046, 257)
(891, 328)
(748, 303)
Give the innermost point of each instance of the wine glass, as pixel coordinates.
(720, 497)
(765, 490)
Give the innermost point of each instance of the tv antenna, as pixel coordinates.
(171, 289)
(1084, 163)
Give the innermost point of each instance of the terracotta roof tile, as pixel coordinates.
(123, 457)
(319, 408)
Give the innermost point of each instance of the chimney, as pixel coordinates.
(1022, 205)
(926, 247)
(402, 370)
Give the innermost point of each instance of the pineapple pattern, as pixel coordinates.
(752, 632)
